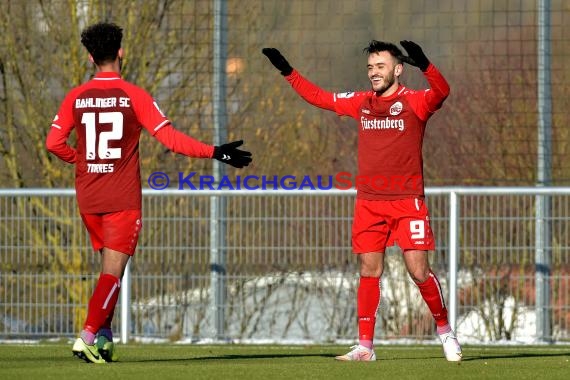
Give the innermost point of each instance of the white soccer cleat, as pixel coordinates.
(451, 347)
(358, 353)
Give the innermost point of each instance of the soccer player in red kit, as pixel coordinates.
(390, 205)
(108, 115)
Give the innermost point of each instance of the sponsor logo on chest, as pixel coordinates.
(370, 122)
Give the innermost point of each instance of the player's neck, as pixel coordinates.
(114, 67)
(389, 91)
(107, 70)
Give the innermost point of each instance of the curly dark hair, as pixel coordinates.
(378, 46)
(102, 41)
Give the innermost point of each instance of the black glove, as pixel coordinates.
(229, 154)
(416, 56)
(278, 60)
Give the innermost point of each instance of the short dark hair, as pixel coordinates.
(378, 46)
(102, 41)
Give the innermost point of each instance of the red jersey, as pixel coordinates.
(108, 115)
(391, 132)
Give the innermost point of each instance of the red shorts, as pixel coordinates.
(118, 231)
(380, 224)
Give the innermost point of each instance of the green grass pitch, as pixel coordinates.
(252, 362)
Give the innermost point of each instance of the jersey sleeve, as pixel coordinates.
(61, 127)
(153, 120)
(179, 142)
(147, 111)
(344, 104)
(439, 88)
(428, 101)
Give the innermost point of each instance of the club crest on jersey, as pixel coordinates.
(396, 108)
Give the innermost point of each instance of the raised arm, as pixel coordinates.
(307, 90)
(439, 88)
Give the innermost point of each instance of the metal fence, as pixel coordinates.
(283, 269)
(202, 60)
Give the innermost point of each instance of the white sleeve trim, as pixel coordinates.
(161, 125)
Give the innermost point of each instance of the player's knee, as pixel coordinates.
(371, 271)
(419, 276)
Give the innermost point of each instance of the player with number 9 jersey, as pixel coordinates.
(389, 208)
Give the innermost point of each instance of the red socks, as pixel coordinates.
(431, 293)
(102, 302)
(368, 299)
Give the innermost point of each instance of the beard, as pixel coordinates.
(386, 84)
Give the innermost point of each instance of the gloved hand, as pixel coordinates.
(229, 154)
(416, 56)
(278, 60)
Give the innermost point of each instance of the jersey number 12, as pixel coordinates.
(116, 132)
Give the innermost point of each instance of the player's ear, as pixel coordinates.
(398, 69)
(91, 59)
(120, 53)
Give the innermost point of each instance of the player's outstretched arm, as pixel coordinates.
(181, 143)
(307, 90)
(230, 154)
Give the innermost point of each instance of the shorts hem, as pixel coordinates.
(361, 252)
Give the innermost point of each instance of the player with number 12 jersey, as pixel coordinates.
(108, 114)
